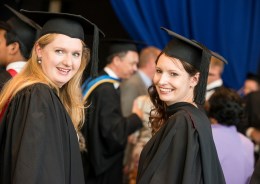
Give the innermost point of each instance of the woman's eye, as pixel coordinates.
(59, 51)
(158, 71)
(76, 54)
(173, 74)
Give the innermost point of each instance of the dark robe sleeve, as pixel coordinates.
(172, 156)
(35, 148)
(113, 126)
(255, 179)
(176, 154)
(4, 78)
(253, 109)
(107, 130)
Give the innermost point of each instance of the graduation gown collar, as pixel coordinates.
(171, 109)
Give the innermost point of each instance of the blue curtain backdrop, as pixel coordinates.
(231, 28)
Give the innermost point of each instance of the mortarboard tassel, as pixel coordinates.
(204, 70)
(94, 60)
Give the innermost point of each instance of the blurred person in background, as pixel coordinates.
(106, 129)
(235, 151)
(17, 36)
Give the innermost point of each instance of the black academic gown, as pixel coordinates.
(38, 143)
(252, 101)
(252, 109)
(182, 151)
(4, 77)
(106, 132)
(255, 179)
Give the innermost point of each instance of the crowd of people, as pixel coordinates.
(147, 115)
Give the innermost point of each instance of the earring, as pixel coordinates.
(39, 60)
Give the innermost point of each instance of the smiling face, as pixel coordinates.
(61, 59)
(172, 82)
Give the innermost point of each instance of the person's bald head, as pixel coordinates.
(147, 60)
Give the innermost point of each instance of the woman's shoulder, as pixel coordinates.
(189, 115)
(187, 111)
(39, 86)
(34, 98)
(179, 119)
(39, 90)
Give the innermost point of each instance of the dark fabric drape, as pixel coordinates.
(231, 28)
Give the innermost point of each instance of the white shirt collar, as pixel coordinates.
(17, 66)
(211, 86)
(215, 84)
(111, 73)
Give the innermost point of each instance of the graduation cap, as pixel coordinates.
(24, 29)
(194, 53)
(4, 12)
(4, 26)
(74, 26)
(113, 46)
(219, 57)
(252, 76)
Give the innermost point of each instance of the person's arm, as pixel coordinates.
(113, 126)
(255, 179)
(253, 134)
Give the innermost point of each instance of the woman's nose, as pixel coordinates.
(67, 60)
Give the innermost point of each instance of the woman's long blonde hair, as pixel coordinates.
(70, 93)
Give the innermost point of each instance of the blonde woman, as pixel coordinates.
(42, 109)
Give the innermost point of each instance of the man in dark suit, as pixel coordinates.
(17, 36)
(106, 129)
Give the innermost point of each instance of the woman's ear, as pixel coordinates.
(38, 50)
(195, 79)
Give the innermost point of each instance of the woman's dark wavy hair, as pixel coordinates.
(158, 115)
(226, 106)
